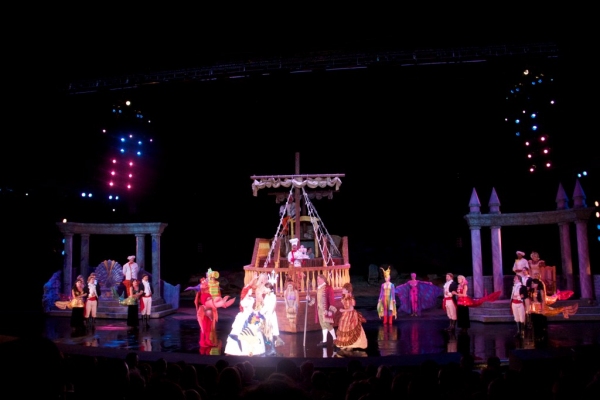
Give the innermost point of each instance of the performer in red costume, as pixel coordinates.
(206, 311)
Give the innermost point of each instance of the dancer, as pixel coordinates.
(130, 271)
(416, 295)
(291, 298)
(246, 338)
(520, 264)
(325, 309)
(206, 309)
(449, 302)
(271, 325)
(91, 305)
(76, 304)
(518, 296)
(146, 306)
(535, 264)
(135, 292)
(296, 257)
(350, 332)
(386, 304)
(464, 301)
(462, 310)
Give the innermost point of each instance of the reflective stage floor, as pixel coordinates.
(409, 338)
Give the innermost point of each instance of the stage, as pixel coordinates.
(409, 341)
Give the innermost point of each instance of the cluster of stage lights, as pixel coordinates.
(533, 101)
(124, 170)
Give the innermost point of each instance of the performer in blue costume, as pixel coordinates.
(416, 295)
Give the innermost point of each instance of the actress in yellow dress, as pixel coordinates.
(350, 333)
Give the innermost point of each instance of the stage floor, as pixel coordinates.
(177, 335)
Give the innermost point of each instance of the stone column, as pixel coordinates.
(140, 251)
(68, 266)
(585, 273)
(477, 261)
(156, 290)
(585, 276)
(496, 262)
(565, 255)
(84, 259)
(477, 264)
(497, 272)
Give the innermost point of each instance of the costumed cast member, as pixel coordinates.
(130, 272)
(324, 300)
(271, 325)
(449, 301)
(146, 306)
(291, 298)
(133, 308)
(91, 305)
(246, 338)
(464, 302)
(517, 304)
(386, 304)
(520, 264)
(76, 304)
(415, 296)
(350, 332)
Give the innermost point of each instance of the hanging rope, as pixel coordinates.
(279, 228)
(320, 231)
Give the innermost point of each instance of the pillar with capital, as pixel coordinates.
(84, 259)
(140, 250)
(565, 254)
(68, 267)
(156, 290)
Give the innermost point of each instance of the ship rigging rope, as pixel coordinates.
(319, 228)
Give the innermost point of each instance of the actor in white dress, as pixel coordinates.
(246, 338)
(271, 327)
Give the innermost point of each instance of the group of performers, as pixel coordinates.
(83, 302)
(530, 303)
(255, 330)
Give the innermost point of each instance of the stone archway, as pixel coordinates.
(140, 230)
(562, 217)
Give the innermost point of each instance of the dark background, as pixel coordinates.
(413, 142)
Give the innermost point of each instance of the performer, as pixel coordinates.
(518, 296)
(246, 338)
(325, 309)
(535, 264)
(91, 305)
(291, 298)
(462, 310)
(76, 304)
(260, 290)
(288, 212)
(539, 321)
(206, 310)
(146, 305)
(464, 301)
(520, 264)
(386, 305)
(214, 288)
(350, 333)
(449, 302)
(416, 295)
(295, 258)
(271, 325)
(135, 292)
(130, 271)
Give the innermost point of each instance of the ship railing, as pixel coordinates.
(304, 278)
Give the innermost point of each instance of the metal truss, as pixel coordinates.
(315, 62)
